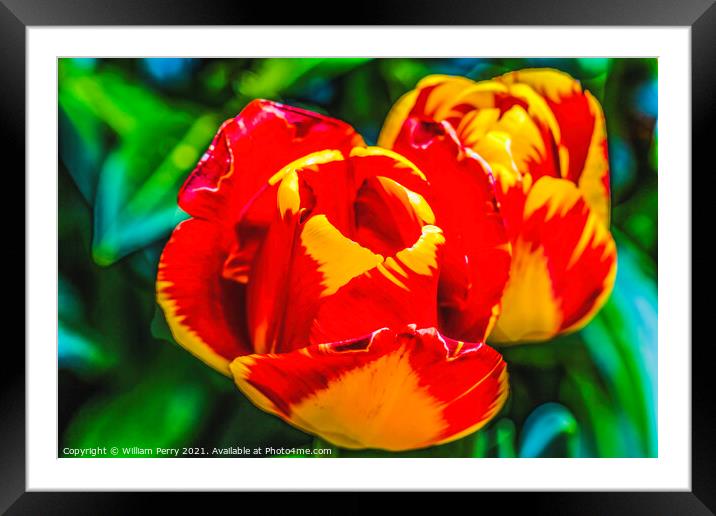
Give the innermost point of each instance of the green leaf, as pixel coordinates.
(81, 143)
(504, 433)
(594, 66)
(159, 327)
(480, 444)
(622, 341)
(134, 187)
(595, 412)
(81, 352)
(271, 78)
(110, 97)
(164, 409)
(243, 424)
(79, 347)
(402, 75)
(654, 150)
(136, 196)
(545, 426)
(320, 444)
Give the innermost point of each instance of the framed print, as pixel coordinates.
(446, 257)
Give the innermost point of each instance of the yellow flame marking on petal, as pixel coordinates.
(596, 166)
(399, 160)
(417, 202)
(527, 142)
(395, 266)
(480, 95)
(506, 177)
(563, 160)
(559, 195)
(391, 277)
(309, 160)
(340, 259)
(288, 197)
(421, 207)
(396, 118)
(598, 234)
(554, 84)
(496, 149)
(495, 406)
(529, 310)
(585, 237)
(537, 107)
(437, 78)
(184, 335)
(421, 258)
(476, 124)
(442, 99)
(240, 369)
(404, 105)
(379, 405)
(607, 288)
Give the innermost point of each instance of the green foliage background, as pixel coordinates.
(130, 132)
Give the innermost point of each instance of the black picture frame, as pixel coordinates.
(17, 15)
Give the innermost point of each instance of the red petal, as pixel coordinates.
(322, 253)
(362, 164)
(391, 390)
(477, 109)
(401, 290)
(582, 128)
(462, 195)
(204, 311)
(563, 266)
(428, 100)
(249, 149)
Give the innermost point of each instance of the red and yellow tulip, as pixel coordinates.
(543, 139)
(350, 289)
(309, 273)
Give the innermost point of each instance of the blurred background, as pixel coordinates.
(130, 131)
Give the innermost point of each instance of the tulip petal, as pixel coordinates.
(430, 95)
(478, 109)
(382, 223)
(344, 234)
(349, 171)
(401, 289)
(297, 266)
(249, 149)
(394, 390)
(511, 192)
(583, 138)
(523, 142)
(563, 266)
(524, 116)
(477, 256)
(204, 311)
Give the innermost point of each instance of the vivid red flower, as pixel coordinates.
(477, 252)
(394, 390)
(542, 139)
(309, 272)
